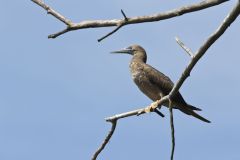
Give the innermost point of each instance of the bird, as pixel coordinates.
(153, 83)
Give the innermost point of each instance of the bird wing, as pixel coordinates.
(163, 82)
(159, 79)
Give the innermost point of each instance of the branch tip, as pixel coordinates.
(110, 33)
(124, 15)
(106, 140)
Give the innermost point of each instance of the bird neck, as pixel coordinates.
(140, 57)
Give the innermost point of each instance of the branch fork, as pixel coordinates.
(127, 20)
(119, 25)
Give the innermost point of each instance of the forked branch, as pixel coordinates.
(126, 20)
(106, 140)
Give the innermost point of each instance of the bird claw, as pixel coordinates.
(148, 109)
(145, 110)
(152, 107)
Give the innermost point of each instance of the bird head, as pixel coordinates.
(132, 50)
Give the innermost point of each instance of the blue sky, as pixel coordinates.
(55, 93)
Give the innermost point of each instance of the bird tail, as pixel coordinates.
(194, 108)
(189, 110)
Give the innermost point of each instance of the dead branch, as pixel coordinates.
(230, 18)
(172, 128)
(126, 20)
(116, 29)
(106, 140)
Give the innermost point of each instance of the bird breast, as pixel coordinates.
(143, 82)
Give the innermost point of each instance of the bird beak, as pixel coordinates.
(126, 51)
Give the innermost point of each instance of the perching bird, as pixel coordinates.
(155, 84)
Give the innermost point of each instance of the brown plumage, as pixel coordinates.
(153, 83)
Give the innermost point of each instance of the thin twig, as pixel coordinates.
(110, 33)
(124, 15)
(188, 50)
(117, 28)
(106, 140)
(59, 33)
(53, 12)
(172, 128)
(134, 20)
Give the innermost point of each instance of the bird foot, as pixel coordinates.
(152, 107)
(148, 109)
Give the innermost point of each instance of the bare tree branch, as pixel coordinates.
(59, 33)
(106, 140)
(116, 29)
(123, 115)
(126, 21)
(53, 12)
(230, 18)
(172, 128)
(110, 33)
